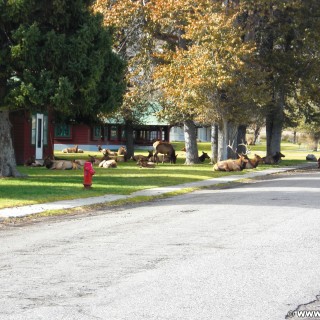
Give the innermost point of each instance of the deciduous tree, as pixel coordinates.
(287, 39)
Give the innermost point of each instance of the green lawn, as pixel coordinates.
(43, 185)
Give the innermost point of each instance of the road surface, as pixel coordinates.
(248, 252)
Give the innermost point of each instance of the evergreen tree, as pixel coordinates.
(55, 55)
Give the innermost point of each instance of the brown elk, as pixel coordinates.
(96, 161)
(140, 157)
(80, 162)
(60, 164)
(163, 158)
(71, 150)
(254, 162)
(165, 149)
(32, 162)
(274, 159)
(203, 157)
(91, 159)
(146, 164)
(122, 151)
(109, 152)
(231, 164)
(156, 143)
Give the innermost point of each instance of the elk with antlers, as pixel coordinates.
(232, 164)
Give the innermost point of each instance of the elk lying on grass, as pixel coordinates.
(109, 152)
(122, 151)
(138, 157)
(32, 162)
(231, 164)
(60, 164)
(108, 164)
(254, 162)
(96, 161)
(274, 159)
(146, 164)
(91, 159)
(204, 156)
(75, 149)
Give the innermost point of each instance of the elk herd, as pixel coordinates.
(163, 152)
(244, 162)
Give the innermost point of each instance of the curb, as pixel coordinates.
(22, 211)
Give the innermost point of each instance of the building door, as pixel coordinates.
(39, 136)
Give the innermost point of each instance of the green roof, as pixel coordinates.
(149, 118)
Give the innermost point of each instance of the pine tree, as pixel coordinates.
(55, 55)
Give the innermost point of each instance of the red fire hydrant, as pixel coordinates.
(88, 172)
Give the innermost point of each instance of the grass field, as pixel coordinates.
(43, 185)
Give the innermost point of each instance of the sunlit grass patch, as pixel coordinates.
(43, 185)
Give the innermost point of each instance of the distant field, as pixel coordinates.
(43, 185)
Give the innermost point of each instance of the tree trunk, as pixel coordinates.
(214, 143)
(294, 137)
(241, 139)
(8, 165)
(222, 144)
(315, 140)
(190, 138)
(129, 139)
(274, 131)
(274, 122)
(256, 134)
(227, 140)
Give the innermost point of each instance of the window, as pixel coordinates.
(62, 130)
(106, 134)
(96, 133)
(113, 133)
(153, 135)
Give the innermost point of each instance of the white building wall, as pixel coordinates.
(176, 134)
(203, 134)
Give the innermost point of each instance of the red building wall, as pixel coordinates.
(80, 135)
(21, 136)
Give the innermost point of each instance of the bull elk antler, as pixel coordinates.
(247, 149)
(231, 146)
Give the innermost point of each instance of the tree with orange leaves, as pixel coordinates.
(207, 77)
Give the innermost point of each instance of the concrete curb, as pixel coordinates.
(68, 204)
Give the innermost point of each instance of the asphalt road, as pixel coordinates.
(249, 252)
